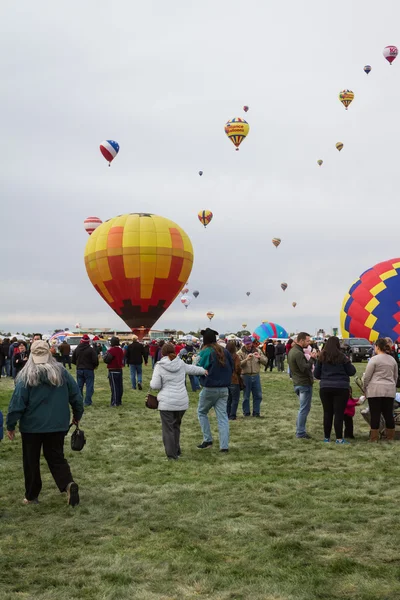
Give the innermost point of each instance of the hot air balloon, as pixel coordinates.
(196, 293)
(320, 162)
(210, 315)
(269, 330)
(109, 150)
(371, 307)
(186, 300)
(205, 217)
(185, 290)
(200, 173)
(390, 53)
(138, 263)
(245, 108)
(294, 304)
(91, 223)
(339, 146)
(346, 97)
(367, 69)
(237, 129)
(284, 286)
(77, 325)
(276, 242)
(244, 325)
(248, 293)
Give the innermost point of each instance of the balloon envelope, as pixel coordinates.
(200, 173)
(294, 304)
(91, 223)
(237, 129)
(320, 162)
(390, 53)
(346, 97)
(284, 286)
(244, 325)
(339, 146)
(367, 69)
(269, 330)
(210, 315)
(109, 149)
(371, 307)
(138, 263)
(276, 242)
(248, 293)
(205, 217)
(196, 293)
(245, 108)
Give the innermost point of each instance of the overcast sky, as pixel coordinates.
(162, 78)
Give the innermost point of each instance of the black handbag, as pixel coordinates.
(151, 402)
(78, 439)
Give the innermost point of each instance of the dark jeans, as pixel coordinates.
(117, 388)
(348, 427)
(53, 451)
(171, 431)
(86, 376)
(66, 360)
(334, 401)
(270, 363)
(233, 400)
(280, 360)
(381, 405)
(253, 386)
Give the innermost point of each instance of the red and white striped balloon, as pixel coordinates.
(91, 223)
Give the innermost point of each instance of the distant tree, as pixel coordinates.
(243, 333)
(180, 332)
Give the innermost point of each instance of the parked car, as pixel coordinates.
(357, 349)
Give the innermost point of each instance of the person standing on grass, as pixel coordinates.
(20, 357)
(251, 360)
(187, 354)
(114, 360)
(334, 370)
(86, 360)
(7, 363)
(41, 403)
(270, 353)
(280, 353)
(234, 388)
(153, 349)
(134, 358)
(302, 377)
(169, 377)
(146, 352)
(380, 379)
(214, 394)
(65, 351)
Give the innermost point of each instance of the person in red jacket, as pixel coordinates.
(114, 360)
(349, 413)
(153, 349)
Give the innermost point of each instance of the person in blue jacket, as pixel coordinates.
(41, 403)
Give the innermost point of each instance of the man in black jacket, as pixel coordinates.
(86, 360)
(280, 353)
(134, 358)
(270, 352)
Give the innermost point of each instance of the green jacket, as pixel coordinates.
(45, 408)
(300, 367)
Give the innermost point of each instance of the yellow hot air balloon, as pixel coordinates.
(244, 325)
(294, 304)
(346, 97)
(276, 241)
(320, 162)
(339, 146)
(237, 129)
(138, 263)
(210, 315)
(205, 217)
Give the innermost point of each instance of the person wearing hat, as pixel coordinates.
(251, 360)
(114, 360)
(86, 360)
(219, 364)
(41, 403)
(134, 358)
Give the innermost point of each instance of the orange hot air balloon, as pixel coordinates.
(210, 315)
(138, 263)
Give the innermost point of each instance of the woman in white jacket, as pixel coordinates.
(169, 376)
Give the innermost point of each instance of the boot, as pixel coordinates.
(390, 434)
(374, 435)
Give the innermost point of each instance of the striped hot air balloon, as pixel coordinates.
(210, 315)
(91, 223)
(109, 149)
(346, 97)
(276, 242)
(237, 129)
(269, 330)
(284, 286)
(339, 146)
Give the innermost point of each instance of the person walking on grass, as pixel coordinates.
(280, 354)
(134, 358)
(380, 379)
(251, 360)
(86, 360)
(302, 377)
(169, 376)
(41, 403)
(334, 370)
(65, 351)
(114, 360)
(214, 394)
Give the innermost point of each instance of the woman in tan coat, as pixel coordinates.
(380, 380)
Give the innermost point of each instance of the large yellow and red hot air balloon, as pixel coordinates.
(139, 263)
(237, 129)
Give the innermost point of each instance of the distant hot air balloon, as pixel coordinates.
(210, 315)
(339, 146)
(185, 290)
(245, 108)
(390, 53)
(91, 223)
(186, 300)
(269, 330)
(284, 286)
(200, 173)
(138, 263)
(237, 129)
(77, 325)
(346, 97)
(367, 69)
(248, 293)
(205, 217)
(320, 162)
(196, 293)
(294, 304)
(276, 242)
(244, 325)
(109, 150)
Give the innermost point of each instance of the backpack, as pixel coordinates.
(188, 358)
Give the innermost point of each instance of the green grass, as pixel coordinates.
(275, 519)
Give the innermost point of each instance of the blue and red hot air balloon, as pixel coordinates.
(109, 149)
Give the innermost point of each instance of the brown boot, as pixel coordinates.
(390, 434)
(374, 435)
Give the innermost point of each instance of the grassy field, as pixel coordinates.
(275, 519)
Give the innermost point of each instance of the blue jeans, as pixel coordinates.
(8, 367)
(135, 370)
(253, 385)
(194, 382)
(304, 393)
(86, 376)
(216, 398)
(233, 400)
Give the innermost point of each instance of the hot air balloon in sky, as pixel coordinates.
(248, 293)
(210, 315)
(276, 242)
(244, 325)
(269, 330)
(185, 290)
(205, 217)
(371, 307)
(294, 304)
(284, 286)
(320, 162)
(390, 53)
(109, 150)
(186, 300)
(346, 97)
(200, 173)
(196, 293)
(339, 146)
(237, 129)
(367, 69)
(138, 263)
(245, 108)
(91, 223)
